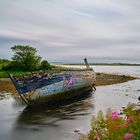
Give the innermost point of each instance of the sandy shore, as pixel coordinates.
(101, 79)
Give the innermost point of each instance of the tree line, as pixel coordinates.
(25, 57)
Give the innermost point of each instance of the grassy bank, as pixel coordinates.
(18, 73)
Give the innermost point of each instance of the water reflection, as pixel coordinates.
(36, 119)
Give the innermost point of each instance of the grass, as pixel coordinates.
(124, 125)
(4, 74)
(3, 64)
(18, 73)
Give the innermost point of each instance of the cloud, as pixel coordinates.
(71, 30)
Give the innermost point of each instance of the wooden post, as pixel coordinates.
(86, 63)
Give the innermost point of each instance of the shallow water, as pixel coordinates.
(61, 122)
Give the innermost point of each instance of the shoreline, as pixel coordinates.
(102, 79)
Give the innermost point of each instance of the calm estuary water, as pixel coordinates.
(60, 123)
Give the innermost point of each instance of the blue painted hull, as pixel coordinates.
(41, 86)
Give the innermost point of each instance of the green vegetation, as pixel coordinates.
(20, 72)
(124, 125)
(45, 65)
(24, 58)
(24, 61)
(3, 63)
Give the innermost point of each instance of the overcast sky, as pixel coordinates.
(69, 30)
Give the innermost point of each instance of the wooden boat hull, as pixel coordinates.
(62, 97)
(46, 88)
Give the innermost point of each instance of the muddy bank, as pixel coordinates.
(109, 79)
(6, 85)
(101, 79)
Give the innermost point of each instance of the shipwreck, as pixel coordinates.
(54, 87)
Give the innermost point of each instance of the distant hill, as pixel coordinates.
(106, 64)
